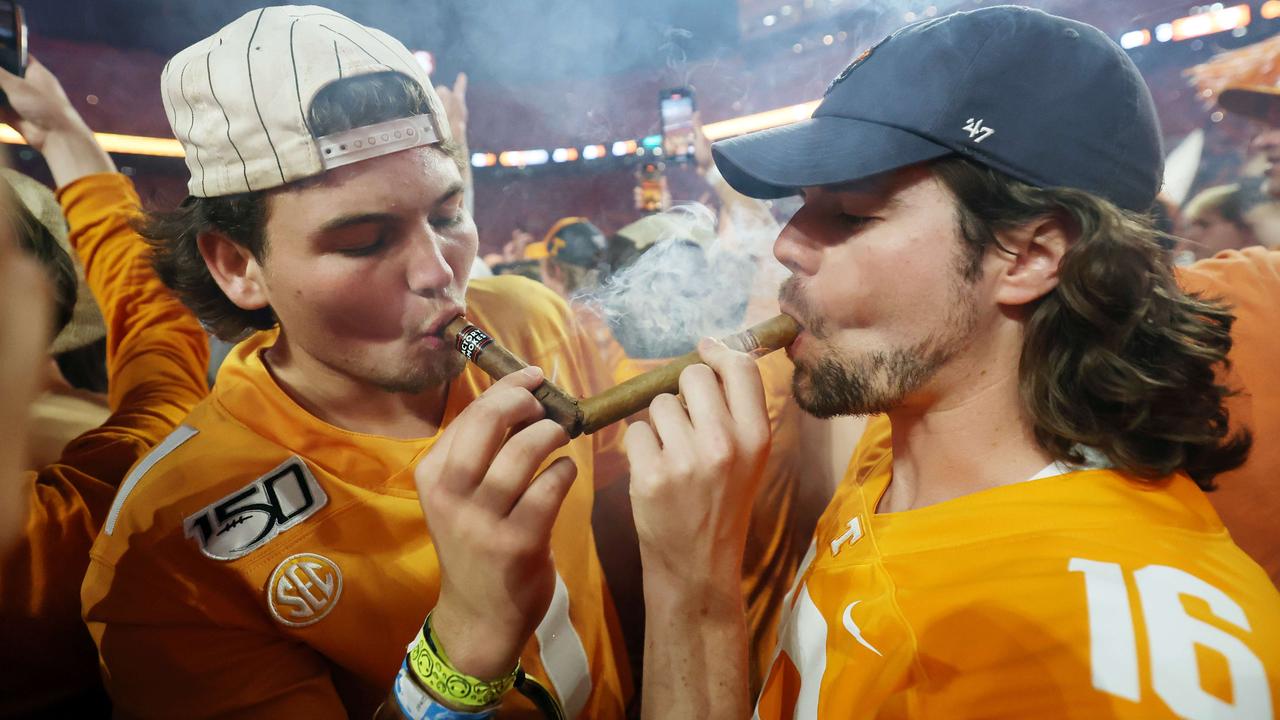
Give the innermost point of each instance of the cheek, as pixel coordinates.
(858, 284)
(353, 302)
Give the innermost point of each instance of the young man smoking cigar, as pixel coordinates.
(270, 558)
(1032, 540)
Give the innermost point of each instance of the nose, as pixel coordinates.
(426, 270)
(796, 249)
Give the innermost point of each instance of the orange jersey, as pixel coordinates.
(267, 564)
(1248, 498)
(156, 359)
(1082, 595)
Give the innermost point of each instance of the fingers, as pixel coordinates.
(740, 376)
(516, 463)
(540, 504)
(702, 394)
(467, 446)
(460, 87)
(671, 422)
(643, 451)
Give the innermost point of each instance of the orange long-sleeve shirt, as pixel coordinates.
(156, 360)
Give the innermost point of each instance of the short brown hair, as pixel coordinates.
(342, 105)
(1117, 357)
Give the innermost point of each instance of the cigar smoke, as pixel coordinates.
(689, 283)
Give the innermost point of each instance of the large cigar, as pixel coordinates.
(497, 362)
(588, 415)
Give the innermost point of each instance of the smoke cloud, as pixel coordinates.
(690, 282)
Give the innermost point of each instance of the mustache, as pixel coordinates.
(792, 297)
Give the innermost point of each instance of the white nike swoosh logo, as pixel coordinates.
(854, 630)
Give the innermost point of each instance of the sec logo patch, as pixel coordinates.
(303, 589)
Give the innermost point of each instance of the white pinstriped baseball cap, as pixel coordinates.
(238, 100)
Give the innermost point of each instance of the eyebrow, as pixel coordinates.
(870, 188)
(346, 221)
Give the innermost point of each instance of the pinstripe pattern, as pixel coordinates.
(208, 69)
(267, 140)
(248, 68)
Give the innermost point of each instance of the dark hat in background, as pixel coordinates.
(1050, 101)
(86, 324)
(571, 240)
(1260, 102)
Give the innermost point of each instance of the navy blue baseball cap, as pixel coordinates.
(1050, 101)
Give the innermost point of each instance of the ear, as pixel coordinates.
(235, 269)
(550, 271)
(1032, 272)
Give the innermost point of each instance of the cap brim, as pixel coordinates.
(819, 151)
(1259, 102)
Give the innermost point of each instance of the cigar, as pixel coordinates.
(587, 415)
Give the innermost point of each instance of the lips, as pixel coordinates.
(790, 312)
(442, 318)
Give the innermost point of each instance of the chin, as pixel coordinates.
(414, 378)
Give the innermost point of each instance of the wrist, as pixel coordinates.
(673, 596)
(477, 646)
(72, 152)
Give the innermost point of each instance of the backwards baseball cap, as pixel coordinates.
(1050, 101)
(238, 100)
(571, 240)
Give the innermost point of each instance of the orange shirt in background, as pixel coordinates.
(1248, 498)
(267, 564)
(156, 359)
(1082, 595)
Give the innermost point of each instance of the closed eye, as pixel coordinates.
(856, 221)
(448, 222)
(367, 249)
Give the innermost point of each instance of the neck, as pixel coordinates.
(974, 437)
(349, 403)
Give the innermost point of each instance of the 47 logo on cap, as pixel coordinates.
(248, 518)
(303, 589)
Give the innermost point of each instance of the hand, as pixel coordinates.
(520, 239)
(40, 111)
(38, 106)
(694, 475)
(454, 101)
(490, 513)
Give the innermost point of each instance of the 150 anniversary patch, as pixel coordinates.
(250, 517)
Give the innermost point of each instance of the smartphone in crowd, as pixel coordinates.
(13, 38)
(676, 108)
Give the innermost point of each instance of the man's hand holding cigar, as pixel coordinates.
(490, 513)
(695, 468)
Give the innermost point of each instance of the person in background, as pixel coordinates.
(1214, 220)
(986, 275)
(1248, 281)
(71, 405)
(27, 322)
(156, 358)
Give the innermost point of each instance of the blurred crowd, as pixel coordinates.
(100, 364)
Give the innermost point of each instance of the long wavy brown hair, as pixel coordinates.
(1117, 357)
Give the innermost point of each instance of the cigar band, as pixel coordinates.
(472, 341)
(745, 342)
